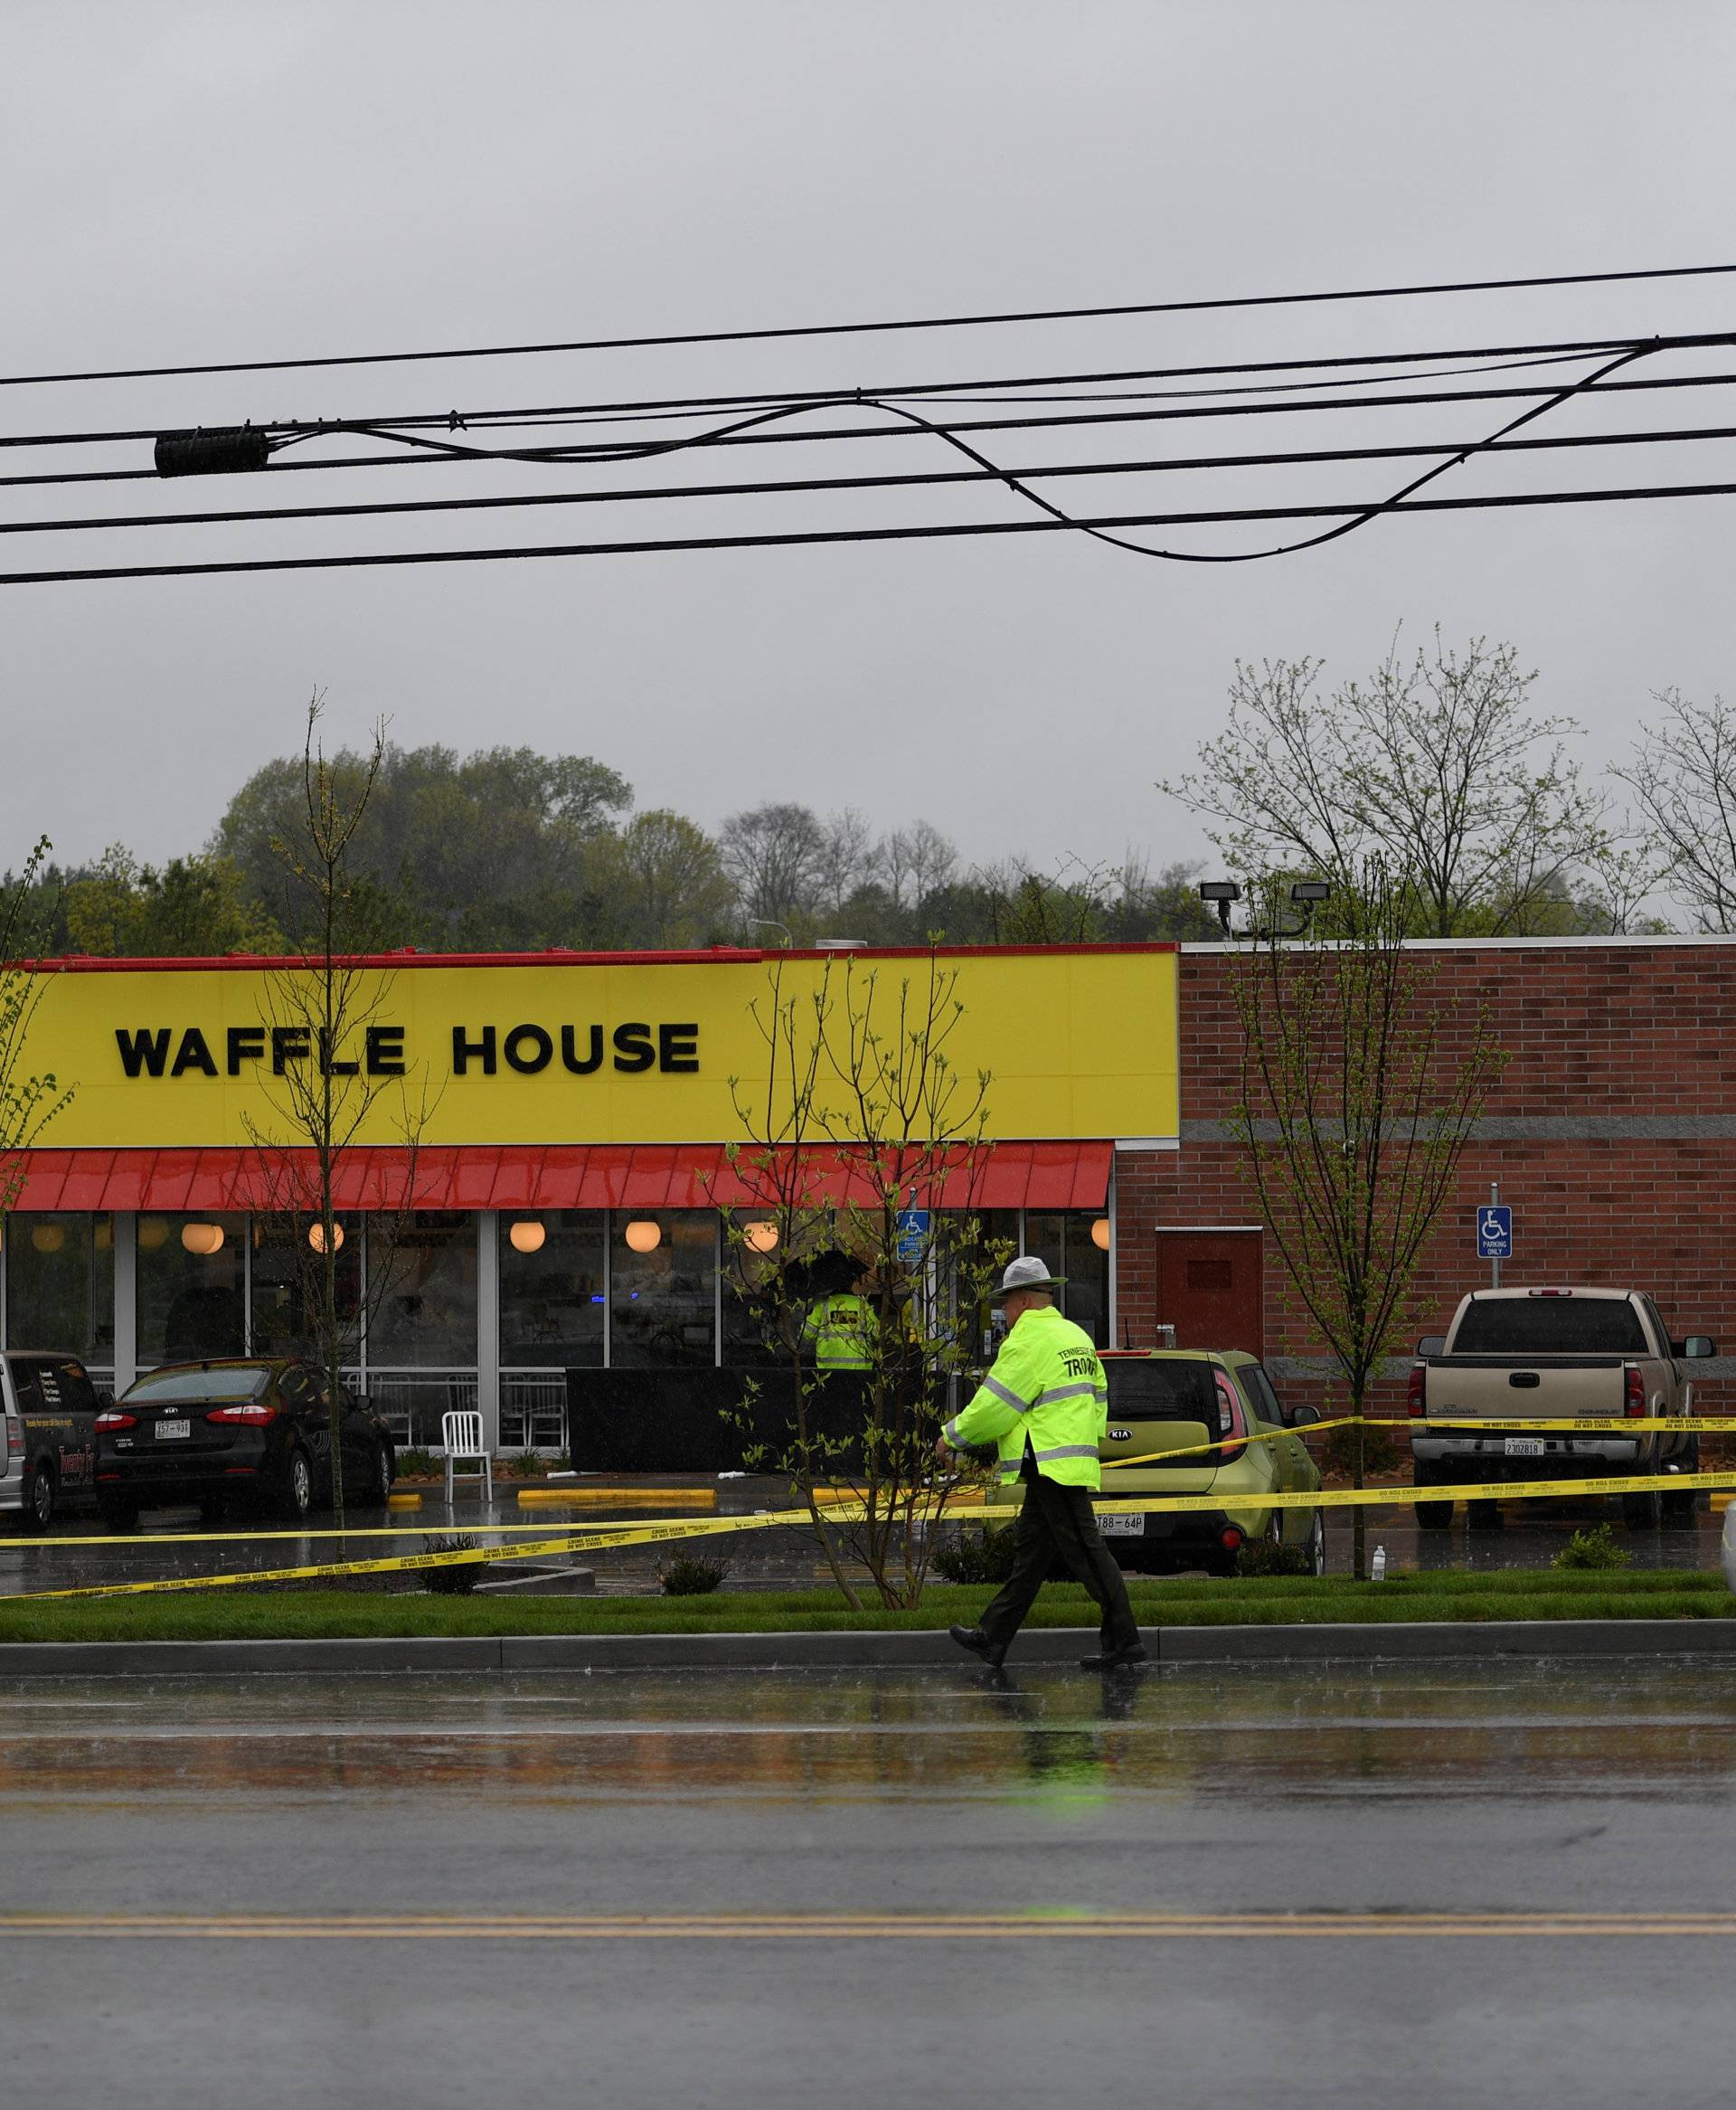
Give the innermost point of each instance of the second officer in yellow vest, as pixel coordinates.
(1044, 1406)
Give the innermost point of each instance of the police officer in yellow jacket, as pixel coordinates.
(1044, 1406)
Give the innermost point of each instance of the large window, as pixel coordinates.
(192, 1301)
(288, 1267)
(60, 1286)
(421, 1292)
(663, 1288)
(1067, 1243)
(552, 1308)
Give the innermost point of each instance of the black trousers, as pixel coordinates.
(1060, 1520)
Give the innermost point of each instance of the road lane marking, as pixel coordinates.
(1043, 1926)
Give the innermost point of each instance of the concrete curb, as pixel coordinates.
(1433, 1641)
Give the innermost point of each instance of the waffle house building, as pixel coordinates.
(561, 1257)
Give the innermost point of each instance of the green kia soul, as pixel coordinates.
(1168, 1399)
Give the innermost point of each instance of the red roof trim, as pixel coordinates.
(558, 1176)
(718, 956)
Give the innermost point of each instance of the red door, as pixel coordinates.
(1210, 1287)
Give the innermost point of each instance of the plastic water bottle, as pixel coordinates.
(1377, 1566)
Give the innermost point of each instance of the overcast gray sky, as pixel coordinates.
(195, 183)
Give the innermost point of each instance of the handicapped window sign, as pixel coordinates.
(1494, 1232)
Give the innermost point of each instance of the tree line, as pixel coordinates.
(509, 850)
(1434, 767)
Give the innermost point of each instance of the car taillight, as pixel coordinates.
(112, 1418)
(1231, 1538)
(1416, 1402)
(253, 1415)
(1231, 1421)
(1635, 1406)
(14, 1437)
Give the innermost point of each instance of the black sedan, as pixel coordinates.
(256, 1432)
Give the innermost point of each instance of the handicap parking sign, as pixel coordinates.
(1494, 1232)
(913, 1226)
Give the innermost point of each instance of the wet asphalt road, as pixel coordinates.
(730, 1889)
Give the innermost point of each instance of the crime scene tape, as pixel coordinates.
(664, 1529)
(1602, 1425)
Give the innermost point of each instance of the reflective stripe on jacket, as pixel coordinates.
(1047, 1385)
(842, 1329)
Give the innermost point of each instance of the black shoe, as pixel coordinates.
(1114, 1659)
(973, 1639)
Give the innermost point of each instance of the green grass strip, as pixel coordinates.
(312, 1614)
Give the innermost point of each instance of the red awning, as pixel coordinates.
(559, 1176)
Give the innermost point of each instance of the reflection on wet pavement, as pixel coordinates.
(1316, 1732)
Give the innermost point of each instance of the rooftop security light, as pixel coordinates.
(1307, 893)
(1223, 892)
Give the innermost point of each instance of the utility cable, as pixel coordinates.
(1103, 528)
(972, 321)
(1053, 421)
(810, 485)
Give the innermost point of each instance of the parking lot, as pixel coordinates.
(1528, 1535)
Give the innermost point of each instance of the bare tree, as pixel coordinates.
(1434, 767)
(774, 856)
(932, 859)
(1683, 772)
(333, 1056)
(848, 859)
(863, 1113)
(1359, 1083)
(29, 1100)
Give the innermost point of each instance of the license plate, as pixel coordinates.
(166, 1429)
(1525, 1447)
(1122, 1524)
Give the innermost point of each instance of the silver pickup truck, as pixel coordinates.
(1555, 1353)
(48, 1435)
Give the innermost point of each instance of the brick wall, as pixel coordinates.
(1626, 1032)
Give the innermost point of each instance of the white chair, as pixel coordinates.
(461, 1435)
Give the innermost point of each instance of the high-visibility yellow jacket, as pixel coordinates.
(842, 1329)
(1047, 1389)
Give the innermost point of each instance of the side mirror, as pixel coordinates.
(1698, 1346)
(1303, 1417)
(1432, 1343)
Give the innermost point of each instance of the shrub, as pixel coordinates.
(1592, 1547)
(1263, 1557)
(527, 1465)
(985, 1556)
(691, 1574)
(457, 1578)
(1380, 1453)
(418, 1465)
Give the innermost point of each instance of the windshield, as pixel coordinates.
(1550, 1326)
(1154, 1391)
(231, 1381)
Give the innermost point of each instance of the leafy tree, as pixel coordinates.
(1434, 767)
(862, 1090)
(193, 907)
(659, 882)
(488, 853)
(1359, 1083)
(29, 1100)
(1683, 772)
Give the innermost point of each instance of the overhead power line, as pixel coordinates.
(793, 486)
(972, 321)
(1105, 527)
